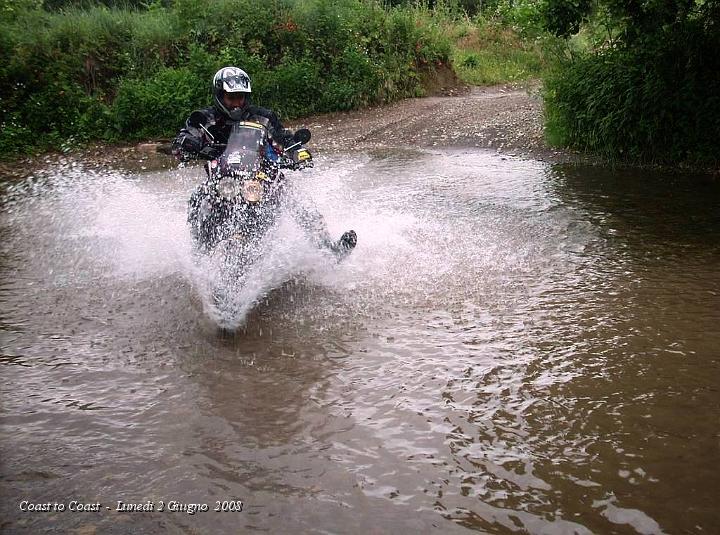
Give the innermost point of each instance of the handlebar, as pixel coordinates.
(212, 151)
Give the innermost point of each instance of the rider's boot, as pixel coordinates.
(344, 245)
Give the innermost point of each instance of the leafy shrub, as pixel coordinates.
(292, 88)
(107, 73)
(657, 102)
(153, 107)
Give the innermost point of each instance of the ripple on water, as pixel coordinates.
(510, 348)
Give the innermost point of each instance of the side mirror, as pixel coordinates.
(197, 119)
(301, 136)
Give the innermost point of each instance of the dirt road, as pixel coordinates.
(501, 118)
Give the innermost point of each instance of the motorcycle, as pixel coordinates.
(234, 209)
(240, 199)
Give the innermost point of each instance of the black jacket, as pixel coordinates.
(189, 142)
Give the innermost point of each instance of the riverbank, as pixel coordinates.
(507, 119)
(503, 118)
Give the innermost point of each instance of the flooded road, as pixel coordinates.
(512, 347)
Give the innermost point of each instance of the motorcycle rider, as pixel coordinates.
(231, 88)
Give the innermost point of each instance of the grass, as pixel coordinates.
(487, 53)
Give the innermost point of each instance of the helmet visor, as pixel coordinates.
(236, 83)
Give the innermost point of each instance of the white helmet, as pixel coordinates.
(229, 80)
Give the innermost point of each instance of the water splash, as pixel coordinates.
(106, 224)
(230, 286)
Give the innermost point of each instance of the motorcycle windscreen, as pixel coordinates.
(245, 147)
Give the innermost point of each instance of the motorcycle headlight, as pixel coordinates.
(252, 191)
(228, 188)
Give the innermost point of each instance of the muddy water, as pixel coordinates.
(511, 348)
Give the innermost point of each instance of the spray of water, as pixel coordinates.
(106, 224)
(231, 282)
(413, 242)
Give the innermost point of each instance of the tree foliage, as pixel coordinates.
(563, 17)
(648, 89)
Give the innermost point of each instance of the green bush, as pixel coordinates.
(644, 84)
(292, 88)
(657, 103)
(158, 105)
(108, 73)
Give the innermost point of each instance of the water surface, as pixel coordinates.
(512, 347)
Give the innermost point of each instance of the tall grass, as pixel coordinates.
(487, 52)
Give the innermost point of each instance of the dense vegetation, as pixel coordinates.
(639, 81)
(106, 73)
